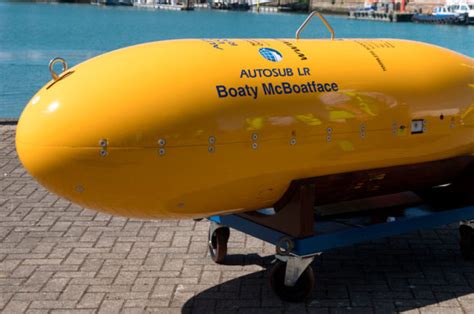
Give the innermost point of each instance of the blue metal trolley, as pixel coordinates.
(292, 278)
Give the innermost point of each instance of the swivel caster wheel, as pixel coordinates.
(299, 292)
(467, 241)
(218, 239)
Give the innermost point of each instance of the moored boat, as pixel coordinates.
(441, 15)
(464, 9)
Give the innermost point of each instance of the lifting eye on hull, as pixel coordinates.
(58, 76)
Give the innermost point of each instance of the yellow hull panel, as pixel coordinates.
(192, 128)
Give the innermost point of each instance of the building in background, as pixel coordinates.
(344, 6)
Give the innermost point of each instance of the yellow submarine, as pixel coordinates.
(199, 127)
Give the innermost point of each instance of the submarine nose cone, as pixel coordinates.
(54, 143)
(54, 132)
(74, 137)
(37, 138)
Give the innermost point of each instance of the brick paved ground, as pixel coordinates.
(56, 256)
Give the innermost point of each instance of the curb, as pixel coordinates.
(8, 121)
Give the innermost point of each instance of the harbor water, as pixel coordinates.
(31, 34)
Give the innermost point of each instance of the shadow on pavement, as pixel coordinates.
(420, 270)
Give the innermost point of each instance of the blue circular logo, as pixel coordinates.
(270, 54)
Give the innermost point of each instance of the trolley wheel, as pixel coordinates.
(299, 292)
(467, 241)
(218, 244)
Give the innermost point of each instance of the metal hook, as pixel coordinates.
(51, 65)
(310, 16)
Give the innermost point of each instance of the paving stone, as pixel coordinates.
(16, 306)
(111, 306)
(91, 300)
(43, 304)
(57, 257)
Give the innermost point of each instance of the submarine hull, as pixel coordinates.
(194, 128)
